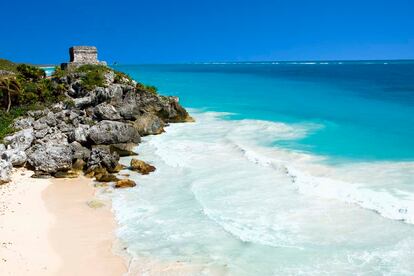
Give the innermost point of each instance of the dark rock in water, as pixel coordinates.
(141, 166)
(20, 140)
(110, 132)
(117, 169)
(124, 149)
(102, 157)
(173, 112)
(106, 178)
(125, 183)
(149, 124)
(105, 111)
(96, 171)
(5, 171)
(50, 158)
(15, 156)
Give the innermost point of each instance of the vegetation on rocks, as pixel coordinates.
(80, 119)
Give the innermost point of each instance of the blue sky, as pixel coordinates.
(155, 31)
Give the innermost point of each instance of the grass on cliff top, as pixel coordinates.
(94, 75)
(7, 65)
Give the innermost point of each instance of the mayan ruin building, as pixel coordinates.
(81, 55)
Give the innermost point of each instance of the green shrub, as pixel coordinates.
(30, 73)
(94, 75)
(149, 88)
(58, 72)
(6, 119)
(120, 77)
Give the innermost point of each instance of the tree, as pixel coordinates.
(10, 86)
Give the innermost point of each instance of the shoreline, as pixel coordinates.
(56, 227)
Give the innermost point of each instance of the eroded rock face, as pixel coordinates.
(79, 151)
(110, 132)
(20, 140)
(14, 156)
(124, 149)
(102, 157)
(105, 111)
(141, 166)
(149, 124)
(5, 171)
(50, 158)
(81, 133)
(23, 123)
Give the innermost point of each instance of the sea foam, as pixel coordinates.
(226, 199)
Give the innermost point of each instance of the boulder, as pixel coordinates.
(5, 171)
(125, 183)
(128, 108)
(149, 124)
(110, 132)
(2, 148)
(65, 127)
(36, 114)
(20, 140)
(79, 151)
(105, 111)
(102, 157)
(141, 166)
(80, 133)
(52, 136)
(83, 102)
(50, 158)
(23, 123)
(15, 156)
(48, 120)
(78, 165)
(124, 149)
(117, 169)
(106, 178)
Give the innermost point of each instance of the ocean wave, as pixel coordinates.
(390, 203)
(224, 195)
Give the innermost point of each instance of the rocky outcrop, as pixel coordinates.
(110, 132)
(124, 149)
(20, 140)
(14, 156)
(141, 166)
(5, 171)
(105, 111)
(50, 158)
(90, 130)
(149, 124)
(102, 157)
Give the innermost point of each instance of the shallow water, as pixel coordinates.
(313, 175)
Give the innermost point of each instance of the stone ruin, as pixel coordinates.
(81, 55)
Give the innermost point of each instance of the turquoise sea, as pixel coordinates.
(292, 168)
